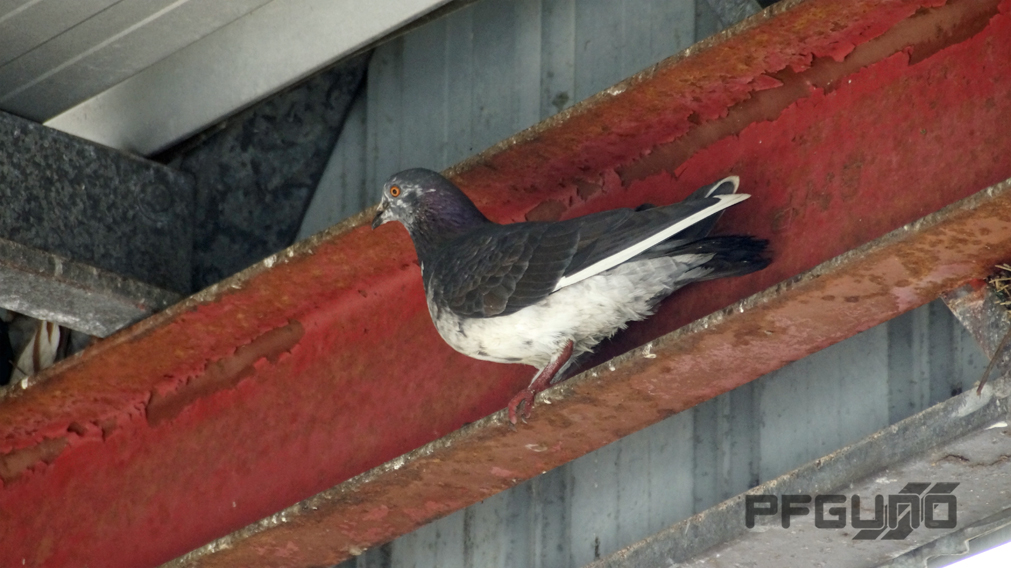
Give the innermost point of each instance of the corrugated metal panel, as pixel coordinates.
(26, 24)
(456, 86)
(141, 75)
(54, 54)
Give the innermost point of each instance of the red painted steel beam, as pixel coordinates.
(310, 372)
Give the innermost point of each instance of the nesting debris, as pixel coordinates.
(1001, 283)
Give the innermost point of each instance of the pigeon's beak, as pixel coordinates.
(378, 219)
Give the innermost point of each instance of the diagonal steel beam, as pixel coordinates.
(963, 439)
(921, 447)
(303, 375)
(835, 300)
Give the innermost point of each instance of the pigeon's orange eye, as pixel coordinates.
(395, 191)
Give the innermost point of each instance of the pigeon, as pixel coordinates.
(546, 293)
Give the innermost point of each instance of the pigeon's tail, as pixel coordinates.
(734, 255)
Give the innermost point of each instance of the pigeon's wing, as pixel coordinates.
(726, 186)
(500, 269)
(690, 219)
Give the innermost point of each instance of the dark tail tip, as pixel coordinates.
(734, 255)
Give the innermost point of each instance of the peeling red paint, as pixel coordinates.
(13, 464)
(225, 373)
(878, 121)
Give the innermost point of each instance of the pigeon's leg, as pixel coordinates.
(524, 400)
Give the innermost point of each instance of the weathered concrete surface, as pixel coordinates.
(256, 173)
(95, 205)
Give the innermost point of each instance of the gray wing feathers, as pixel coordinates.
(627, 244)
(509, 267)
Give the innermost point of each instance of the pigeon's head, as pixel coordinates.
(432, 209)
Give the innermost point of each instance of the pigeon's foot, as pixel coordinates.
(520, 405)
